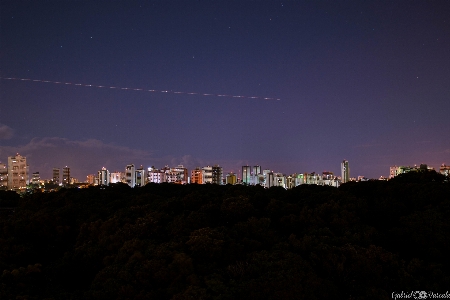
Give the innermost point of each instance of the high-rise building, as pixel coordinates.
(3, 177)
(269, 179)
(279, 180)
(155, 176)
(345, 171)
(254, 178)
(217, 175)
(180, 173)
(290, 182)
(246, 174)
(116, 177)
(135, 177)
(139, 177)
(36, 178)
(90, 179)
(394, 171)
(130, 175)
(56, 176)
(103, 177)
(231, 178)
(207, 174)
(197, 176)
(66, 175)
(256, 170)
(17, 172)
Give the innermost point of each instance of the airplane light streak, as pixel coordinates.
(138, 89)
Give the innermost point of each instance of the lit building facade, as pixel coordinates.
(36, 178)
(397, 170)
(130, 177)
(116, 177)
(197, 176)
(217, 175)
(156, 175)
(268, 178)
(140, 177)
(56, 176)
(90, 179)
(207, 174)
(3, 177)
(179, 175)
(279, 180)
(103, 177)
(231, 178)
(66, 176)
(246, 175)
(17, 173)
(444, 170)
(256, 170)
(345, 171)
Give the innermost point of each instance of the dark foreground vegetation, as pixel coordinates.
(362, 241)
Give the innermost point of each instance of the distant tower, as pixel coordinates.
(103, 177)
(140, 177)
(90, 179)
(345, 171)
(246, 174)
(3, 177)
(231, 178)
(217, 174)
(197, 176)
(130, 175)
(256, 170)
(66, 175)
(55, 177)
(207, 174)
(17, 172)
(36, 178)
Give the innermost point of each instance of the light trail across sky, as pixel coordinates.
(137, 89)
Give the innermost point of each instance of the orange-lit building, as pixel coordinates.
(197, 176)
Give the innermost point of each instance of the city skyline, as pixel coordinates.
(365, 82)
(139, 176)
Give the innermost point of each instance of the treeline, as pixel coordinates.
(363, 240)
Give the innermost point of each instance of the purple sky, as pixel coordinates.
(364, 81)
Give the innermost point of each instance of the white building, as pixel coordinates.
(279, 180)
(139, 177)
(345, 171)
(156, 175)
(116, 177)
(207, 174)
(103, 177)
(130, 176)
(181, 174)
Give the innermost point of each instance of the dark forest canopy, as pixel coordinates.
(363, 240)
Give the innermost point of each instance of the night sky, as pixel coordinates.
(364, 81)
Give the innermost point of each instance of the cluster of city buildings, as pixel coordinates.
(214, 175)
(397, 170)
(15, 176)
